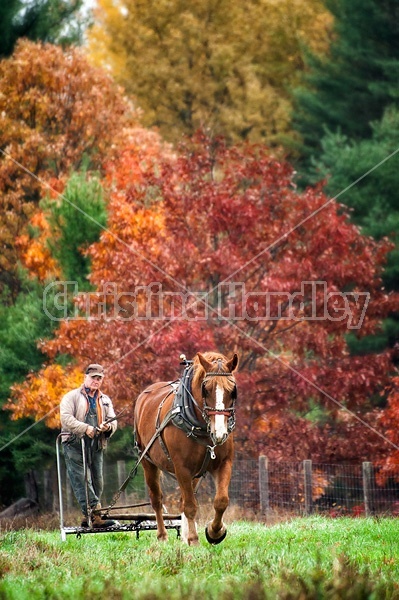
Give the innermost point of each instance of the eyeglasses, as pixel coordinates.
(96, 377)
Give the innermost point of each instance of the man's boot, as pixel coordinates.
(84, 523)
(99, 522)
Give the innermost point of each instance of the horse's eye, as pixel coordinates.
(234, 393)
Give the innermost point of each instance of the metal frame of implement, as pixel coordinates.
(138, 522)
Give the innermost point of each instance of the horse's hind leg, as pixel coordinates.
(215, 530)
(152, 477)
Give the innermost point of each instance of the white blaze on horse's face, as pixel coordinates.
(219, 424)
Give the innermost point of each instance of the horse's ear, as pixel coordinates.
(232, 364)
(205, 364)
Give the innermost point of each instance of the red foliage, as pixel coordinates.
(213, 217)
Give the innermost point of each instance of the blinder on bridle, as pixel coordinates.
(208, 411)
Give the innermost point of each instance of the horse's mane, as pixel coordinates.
(226, 383)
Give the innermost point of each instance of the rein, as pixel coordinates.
(133, 472)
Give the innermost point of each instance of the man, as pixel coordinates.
(85, 413)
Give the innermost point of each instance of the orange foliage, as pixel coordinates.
(41, 393)
(35, 254)
(128, 221)
(55, 109)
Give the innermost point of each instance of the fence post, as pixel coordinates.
(48, 494)
(121, 469)
(368, 488)
(264, 485)
(307, 473)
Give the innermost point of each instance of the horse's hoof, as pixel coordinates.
(193, 542)
(218, 539)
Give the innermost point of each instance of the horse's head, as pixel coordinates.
(213, 375)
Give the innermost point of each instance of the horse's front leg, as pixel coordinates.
(189, 508)
(215, 530)
(152, 476)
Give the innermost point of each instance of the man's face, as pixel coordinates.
(93, 382)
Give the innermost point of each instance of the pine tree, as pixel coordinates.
(373, 200)
(348, 119)
(21, 326)
(76, 221)
(349, 88)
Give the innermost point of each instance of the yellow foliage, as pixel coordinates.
(101, 47)
(40, 395)
(225, 65)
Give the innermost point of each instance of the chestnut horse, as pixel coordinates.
(185, 428)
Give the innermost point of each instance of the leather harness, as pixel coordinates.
(183, 416)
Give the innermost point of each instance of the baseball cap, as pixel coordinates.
(94, 369)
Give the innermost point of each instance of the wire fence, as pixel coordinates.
(261, 488)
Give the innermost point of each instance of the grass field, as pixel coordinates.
(302, 558)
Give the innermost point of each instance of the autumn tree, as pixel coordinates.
(283, 277)
(390, 420)
(223, 65)
(346, 113)
(57, 115)
(56, 112)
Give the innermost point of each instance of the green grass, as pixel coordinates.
(302, 558)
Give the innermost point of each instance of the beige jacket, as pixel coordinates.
(74, 408)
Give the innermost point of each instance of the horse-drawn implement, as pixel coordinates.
(183, 428)
(136, 522)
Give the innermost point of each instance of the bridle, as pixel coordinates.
(208, 411)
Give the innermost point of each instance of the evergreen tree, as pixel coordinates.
(76, 221)
(8, 11)
(348, 120)
(373, 199)
(55, 21)
(22, 325)
(349, 88)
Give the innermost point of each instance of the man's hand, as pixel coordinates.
(90, 431)
(103, 427)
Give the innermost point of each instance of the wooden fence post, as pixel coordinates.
(31, 486)
(368, 488)
(307, 473)
(121, 469)
(264, 485)
(48, 492)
